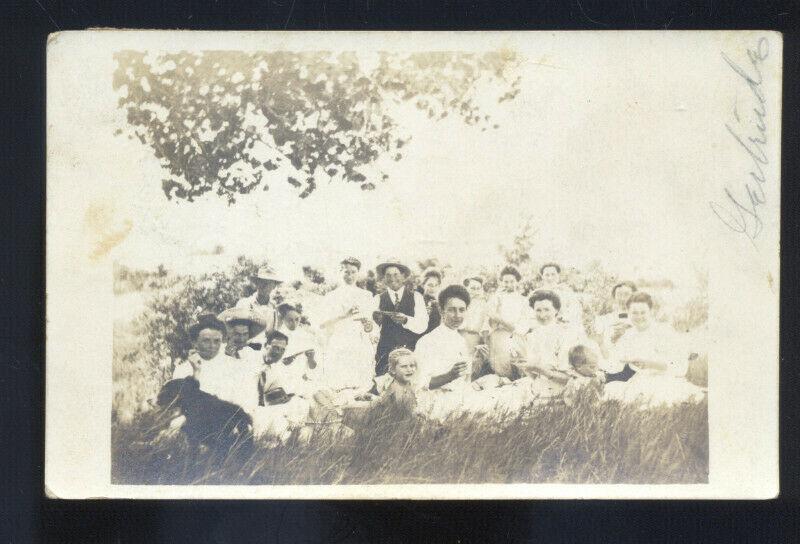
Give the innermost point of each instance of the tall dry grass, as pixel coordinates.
(588, 442)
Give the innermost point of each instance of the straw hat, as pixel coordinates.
(381, 268)
(243, 316)
(265, 273)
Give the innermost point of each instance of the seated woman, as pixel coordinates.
(608, 327)
(508, 318)
(651, 350)
(443, 354)
(548, 344)
(219, 374)
(471, 328)
(431, 281)
(571, 307)
(302, 348)
(207, 336)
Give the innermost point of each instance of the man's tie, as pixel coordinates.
(396, 299)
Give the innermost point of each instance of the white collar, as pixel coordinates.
(447, 330)
(399, 292)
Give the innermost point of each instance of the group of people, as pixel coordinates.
(438, 351)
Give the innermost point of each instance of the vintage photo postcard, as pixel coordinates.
(472, 265)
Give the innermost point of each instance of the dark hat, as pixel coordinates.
(206, 321)
(381, 268)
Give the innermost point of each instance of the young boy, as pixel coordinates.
(400, 385)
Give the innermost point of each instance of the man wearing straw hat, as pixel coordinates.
(260, 303)
(242, 327)
(399, 311)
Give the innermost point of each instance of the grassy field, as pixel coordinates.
(589, 442)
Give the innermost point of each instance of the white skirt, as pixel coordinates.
(654, 390)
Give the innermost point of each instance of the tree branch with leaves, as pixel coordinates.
(229, 121)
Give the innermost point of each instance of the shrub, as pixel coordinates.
(144, 354)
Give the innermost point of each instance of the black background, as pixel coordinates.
(27, 516)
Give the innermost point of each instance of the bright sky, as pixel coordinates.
(590, 149)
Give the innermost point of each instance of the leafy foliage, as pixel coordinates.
(224, 120)
(161, 333)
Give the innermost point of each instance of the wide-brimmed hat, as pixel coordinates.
(381, 268)
(206, 321)
(244, 316)
(265, 273)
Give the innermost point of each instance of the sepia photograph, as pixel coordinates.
(412, 259)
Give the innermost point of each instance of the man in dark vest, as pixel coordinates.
(400, 313)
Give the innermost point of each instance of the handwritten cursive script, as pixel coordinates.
(740, 208)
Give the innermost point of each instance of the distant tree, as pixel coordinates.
(519, 252)
(223, 120)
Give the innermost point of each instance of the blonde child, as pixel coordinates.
(400, 385)
(584, 373)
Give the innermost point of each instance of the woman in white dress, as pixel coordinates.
(615, 322)
(571, 308)
(548, 345)
(302, 350)
(346, 329)
(653, 351)
(472, 327)
(508, 318)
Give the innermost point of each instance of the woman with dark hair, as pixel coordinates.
(653, 351)
(548, 344)
(571, 308)
(614, 323)
(301, 359)
(443, 354)
(431, 281)
(508, 319)
(207, 335)
(218, 373)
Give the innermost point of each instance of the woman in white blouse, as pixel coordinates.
(508, 318)
(653, 351)
(472, 326)
(615, 322)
